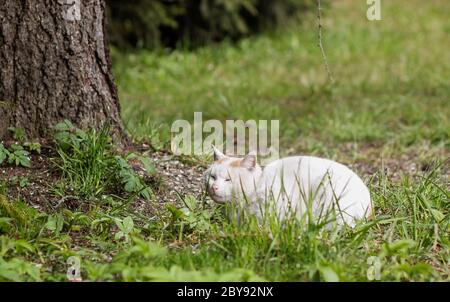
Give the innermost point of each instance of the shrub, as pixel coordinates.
(191, 23)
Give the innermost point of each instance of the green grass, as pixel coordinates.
(409, 237)
(89, 166)
(392, 81)
(388, 111)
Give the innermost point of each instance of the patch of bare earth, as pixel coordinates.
(372, 159)
(174, 180)
(38, 180)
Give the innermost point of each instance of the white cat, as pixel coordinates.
(294, 185)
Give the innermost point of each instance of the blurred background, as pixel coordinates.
(192, 23)
(259, 59)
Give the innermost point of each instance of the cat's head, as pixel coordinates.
(232, 178)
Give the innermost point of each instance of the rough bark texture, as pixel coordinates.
(55, 66)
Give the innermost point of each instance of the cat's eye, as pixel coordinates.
(213, 177)
(229, 179)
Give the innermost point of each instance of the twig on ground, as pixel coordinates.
(62, 200)
(320, 44)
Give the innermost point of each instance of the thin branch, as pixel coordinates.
(64, 199)
(320, 44)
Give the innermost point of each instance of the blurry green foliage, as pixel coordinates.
(191, 23)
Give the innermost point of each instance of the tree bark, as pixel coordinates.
(55, 65)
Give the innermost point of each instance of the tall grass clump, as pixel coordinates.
(90, 166)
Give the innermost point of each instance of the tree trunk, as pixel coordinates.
(55, 65)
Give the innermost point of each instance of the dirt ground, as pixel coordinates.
(178, 178)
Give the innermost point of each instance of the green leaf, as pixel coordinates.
(190, 202)
(23, 245)
(130, 186)
(119, 235)
(119, 224)
(17, 270)
(19, 156)
(64, 126)
(5, 223)
(18, 133)
(146, 193)
(437, 215)
(398, 247)
(8, 274)
(55, 223)
(128, 225)
(33, 147)
(328, 274)
(148, 165)
(4, 153)
(176, 213)
(23, 182)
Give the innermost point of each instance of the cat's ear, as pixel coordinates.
(249, 161)
(218, 155)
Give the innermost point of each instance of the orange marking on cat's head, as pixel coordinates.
(222, 160)
(235, 163)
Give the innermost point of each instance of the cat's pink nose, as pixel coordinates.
(215, 187)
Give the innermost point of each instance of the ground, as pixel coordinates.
(386, 116)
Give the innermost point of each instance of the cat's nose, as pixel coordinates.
(215, 187)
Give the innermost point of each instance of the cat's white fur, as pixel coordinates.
(291, 185)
